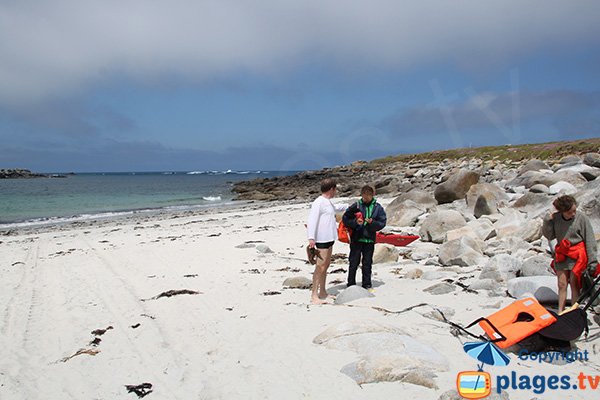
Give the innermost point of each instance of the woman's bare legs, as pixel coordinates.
(563, 282)
(575, 289)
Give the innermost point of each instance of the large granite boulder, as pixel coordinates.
(405, 213)
(589, 204)
(481, 229)
(562, 188)
(490, 190)
(385, 253)
(483, 198)
(533, 165)
(572, 177)
(592, 159)
(420, 197)
(464, 252)
(543, 288)
(502, 268)
(529, 178)
(436, 225)
(538, 265)
(456, 187)
(423, 250)
(508, 245)
(385, 354)
(510, 223)
(570, 159)
(589, 173)
(539, 188)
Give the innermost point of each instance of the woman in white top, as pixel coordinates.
(322, 233)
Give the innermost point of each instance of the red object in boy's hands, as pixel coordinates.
(359, 218)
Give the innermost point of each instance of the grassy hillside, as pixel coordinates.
(542, 151)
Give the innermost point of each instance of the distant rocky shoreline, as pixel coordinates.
(395, 176)
(25, 174)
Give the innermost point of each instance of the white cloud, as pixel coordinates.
(55, 48)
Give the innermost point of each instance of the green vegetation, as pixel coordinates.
(507, 153)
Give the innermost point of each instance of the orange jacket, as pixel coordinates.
(577, 252)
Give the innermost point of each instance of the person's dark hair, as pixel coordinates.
(564, 203)
(328, 184)
(367, 189)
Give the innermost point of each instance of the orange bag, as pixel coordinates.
(344, 233)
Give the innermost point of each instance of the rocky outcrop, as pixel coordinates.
(22, 174)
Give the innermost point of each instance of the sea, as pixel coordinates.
(86, 196)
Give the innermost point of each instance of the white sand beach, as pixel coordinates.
(229, 341)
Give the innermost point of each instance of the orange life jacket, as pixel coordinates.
(517, 321)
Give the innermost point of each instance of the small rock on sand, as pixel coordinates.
(298, 282)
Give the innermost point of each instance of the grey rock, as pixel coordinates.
(436, 225)
(589, 173)
(433, 275)
(352, 293)
(490, 189)
(464, 252)
(405, 213)
(572, 177)
(484, 206)
(592, 159)
(510, 223)
(245, 246)
(509, 245)
(533, 165)
(481, 229)
(502, 266)
(533, 201)
(589, 204)
(414, 273)
(529, 178)
(538, 265)
(440, 288)
(423, 251)
(384, 253)
(484, 284)
(298, 282)
(543, 288)
(420, 197)
(539, 188)
(562, 187)
(531, 231)
(571, 159)
(456, 187)
(263, 248)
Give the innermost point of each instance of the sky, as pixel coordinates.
(153, 85)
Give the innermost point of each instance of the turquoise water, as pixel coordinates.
(94, 195)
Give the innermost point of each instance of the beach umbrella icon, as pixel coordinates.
(487, 353)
